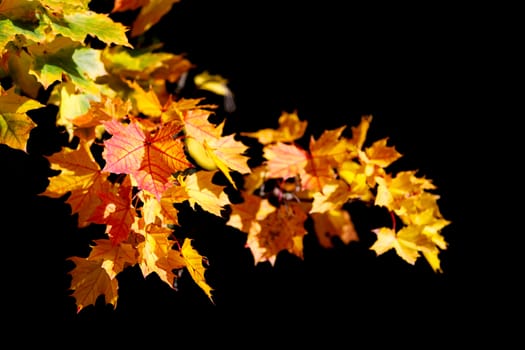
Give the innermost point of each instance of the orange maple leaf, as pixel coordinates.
(79, 174)
(246, 216)
(116, 211)
(285, 161)
(150, 13)
(290, 129)
(281, 230)
(150, 158)
(156, 253)
(334, 223)
(90, 280)
(114, 257)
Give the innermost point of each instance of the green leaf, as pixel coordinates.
(78, 26)
(15, 124)
(66, 57)
(9, 32)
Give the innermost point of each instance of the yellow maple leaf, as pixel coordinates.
(360, 132)
(228, 154)
(15, 124)
(332, 196)
(391, 192)
(290, 129)
(354, 174)
(334, 223)
(202, 191)
(156, 253)
(379, 154)
(89, 281)
(404, 243)
(194, 265)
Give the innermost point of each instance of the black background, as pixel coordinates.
(415, 69)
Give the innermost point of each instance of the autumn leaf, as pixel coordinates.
(281, 230)
(334, 223)
(195, 266)
(79, 174)
(115, 257)
(116, 211)
(91, 280)
(149, 158)
(128, 5)
(360, 132)
(285, 161)
(246, 216)
(17, 64)
(150, 13)
(156, 254)
(404, 243)
(78, 25)
(202, 191)
(392, 191)
(290, 129)
(332, 196)
(379, 154)
(15, 124)
(229, 155)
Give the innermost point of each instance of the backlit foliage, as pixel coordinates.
(137, 149)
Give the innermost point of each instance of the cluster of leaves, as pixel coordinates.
(137, 149)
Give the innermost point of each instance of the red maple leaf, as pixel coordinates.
(149, 157)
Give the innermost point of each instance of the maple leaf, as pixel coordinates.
(194, 265)
(290, 129)
(285, 161)
(15, 124)
(17, 63)
(197, 124)
(201, 190)
(334, 223)
(332, 196)
(355, 175)
(403, 243)
(163, 211)
(64, 60)
(114, 257)
(246, 216)
(156, 253)
(89, 281)
(15, 14)
(360, 132)
(150, 13)
(88, 126)
(391, 192)
(150, 159)
(379, 155)
(116, 211)
(79, 174)
(281, 230)
(78, 24)
(228, 153)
